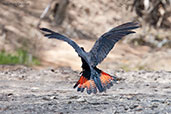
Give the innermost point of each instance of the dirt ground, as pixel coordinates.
(85, 21)
(24, 91)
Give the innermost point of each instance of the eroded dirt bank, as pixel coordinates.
(24, 90)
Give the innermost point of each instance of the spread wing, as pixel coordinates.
(107, 41)
(52, 34)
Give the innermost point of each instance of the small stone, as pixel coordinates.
(53, 97)
(10, 94)
(69, 102)
(139, 108)
(46, 98)
(133, 106)
(52, 70)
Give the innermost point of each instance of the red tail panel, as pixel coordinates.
(81, 81)
(85, 83)
(106, 80)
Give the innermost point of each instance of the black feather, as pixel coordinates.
(98, 83)
(55, 35)
(107, 41)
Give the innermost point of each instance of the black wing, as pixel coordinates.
(52, 34)
(107, 41)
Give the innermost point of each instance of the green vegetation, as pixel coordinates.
(125, 68)
(21, 57)
(138, 67)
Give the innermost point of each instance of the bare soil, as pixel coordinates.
(25, 90)
(85, 21)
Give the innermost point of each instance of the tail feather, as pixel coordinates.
(93, 87)
(80, 82)
(98, 84)
(106, 80)
(101, 83)
(85, 83)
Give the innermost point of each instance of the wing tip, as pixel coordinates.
(127, 26)
(44, 29)
(135, 24)
(48, 33)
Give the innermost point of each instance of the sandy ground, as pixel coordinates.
(24, 91)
